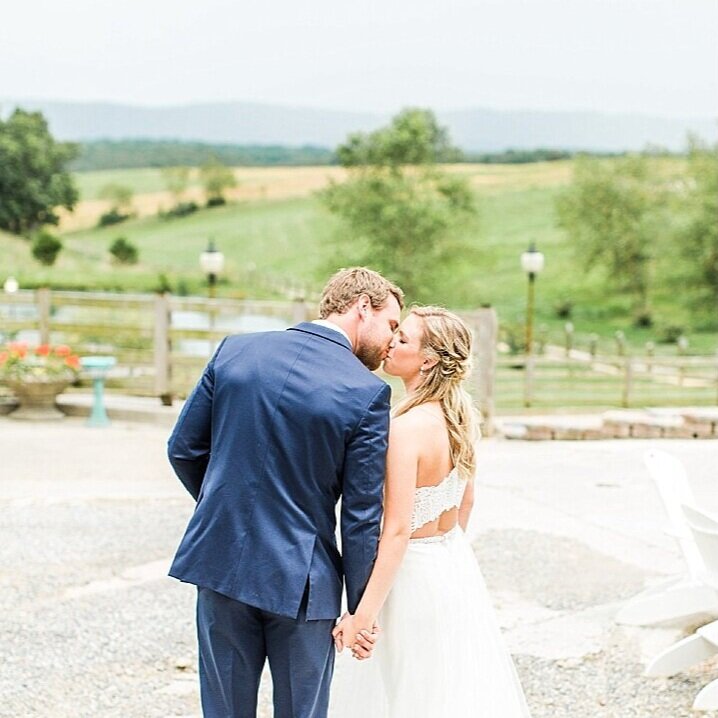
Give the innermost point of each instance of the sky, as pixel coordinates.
(630, 56)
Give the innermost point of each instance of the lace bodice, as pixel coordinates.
(431, 501)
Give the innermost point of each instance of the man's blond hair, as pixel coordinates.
(344, 288)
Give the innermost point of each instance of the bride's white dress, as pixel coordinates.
(441, 653)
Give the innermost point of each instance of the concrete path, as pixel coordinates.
(90, 626)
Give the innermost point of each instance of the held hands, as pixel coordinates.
(356, 634)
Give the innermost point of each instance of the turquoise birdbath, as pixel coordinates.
(97, 367)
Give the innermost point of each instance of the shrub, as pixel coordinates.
(163, 285)
(113, 216)
(124, 251)
(45, 248)
(182, 209)
(670, 334)
(215, 202)
(183, 288)
(563, 308)
(644, 319)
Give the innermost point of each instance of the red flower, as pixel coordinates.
(18, 349)
(4, 356)
(62, 350)
(73, 361)
(43, 350)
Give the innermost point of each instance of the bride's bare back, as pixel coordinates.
(425, 427)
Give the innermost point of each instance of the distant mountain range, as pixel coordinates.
(474, 130)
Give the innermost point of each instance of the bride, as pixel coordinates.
(439, 651)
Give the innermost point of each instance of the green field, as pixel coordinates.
(297, 239)
(90, 184)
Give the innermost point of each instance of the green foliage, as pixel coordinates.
(217, 179)
(33, 175)
(519, 157)
(119, 195)
(182, 209)
(162, 285)
(414, 137)
(118, 154)
(699, 237)
(124, 251)
(112, 216)
(45, 248)
(400, 208)
(176, 180)
(612, 213)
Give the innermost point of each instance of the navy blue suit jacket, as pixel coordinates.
(281, 425)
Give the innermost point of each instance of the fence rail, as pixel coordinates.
(162, 342)
(606, 381)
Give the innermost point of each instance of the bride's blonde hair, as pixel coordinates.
(447, 338)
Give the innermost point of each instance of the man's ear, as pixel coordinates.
(363, 305)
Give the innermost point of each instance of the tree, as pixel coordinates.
(33, 176)
(699, 237)
(611, 211)
(120, 197)
(217, 179)
(400, 208)
(46, 247)
(176, 180)
(124, 251)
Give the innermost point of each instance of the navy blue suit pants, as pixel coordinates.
(235, 639)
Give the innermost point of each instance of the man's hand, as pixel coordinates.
(351, 632)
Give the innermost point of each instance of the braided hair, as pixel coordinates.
(447, 338)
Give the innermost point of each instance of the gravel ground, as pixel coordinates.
(90, 626)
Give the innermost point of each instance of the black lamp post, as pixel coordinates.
(532, 262)
(212, 263)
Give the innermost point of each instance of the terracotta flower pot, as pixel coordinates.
(37, 398)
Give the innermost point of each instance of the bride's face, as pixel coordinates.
(406, 357)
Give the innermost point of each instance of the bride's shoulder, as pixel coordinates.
(418, 418)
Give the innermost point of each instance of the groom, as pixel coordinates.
(281, 425)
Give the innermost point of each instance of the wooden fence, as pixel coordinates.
(605, 381)
(162, 342)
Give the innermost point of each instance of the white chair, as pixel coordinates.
(683, 599)
(702, 644)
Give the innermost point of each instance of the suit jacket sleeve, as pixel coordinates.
(363, 494)
(189, 445)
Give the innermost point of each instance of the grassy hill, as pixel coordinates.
(290, 234)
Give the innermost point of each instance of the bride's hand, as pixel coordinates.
(361, 640)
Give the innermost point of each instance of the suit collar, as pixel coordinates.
(323, 332)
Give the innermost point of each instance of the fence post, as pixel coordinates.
(300, 310)
(650, 353)
(568, 338)
(485, 346)
(43, 299)
(627, 383)
(162, 349)
(620, 343)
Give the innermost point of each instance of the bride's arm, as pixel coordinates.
(467, 503)
(401, 467)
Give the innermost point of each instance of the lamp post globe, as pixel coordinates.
(212, 263)
(11, 285)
